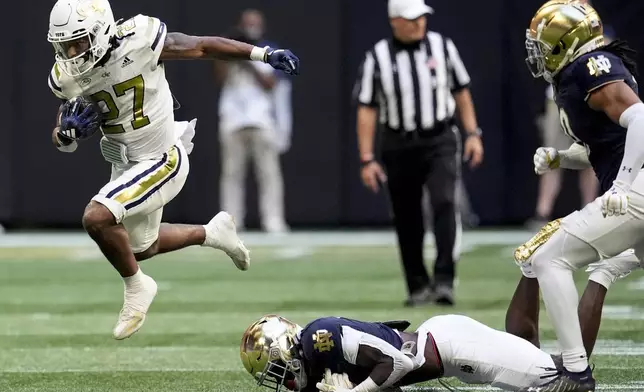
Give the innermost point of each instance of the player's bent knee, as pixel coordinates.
(97, 217)
(545, 257)
(152, 251)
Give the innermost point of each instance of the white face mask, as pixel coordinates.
(87, 54)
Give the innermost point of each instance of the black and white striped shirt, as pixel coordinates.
(412, 85)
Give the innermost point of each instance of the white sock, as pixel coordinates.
(602, 277)
(205, 241)
(133, 281)
(561, 298)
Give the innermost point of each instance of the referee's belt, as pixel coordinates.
(437, 129)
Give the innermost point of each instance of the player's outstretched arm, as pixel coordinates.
(179, 46)
(623, 106)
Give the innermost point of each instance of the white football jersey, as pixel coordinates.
(131, 88)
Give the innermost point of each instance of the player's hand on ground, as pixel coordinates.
(324, 387)
(342, 381)
(283, 60)
(328, 377)
(473, 151)
(545, 160)
(372, 174)
(615, 201)
(338, 380)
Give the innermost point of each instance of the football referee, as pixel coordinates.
(414, 82)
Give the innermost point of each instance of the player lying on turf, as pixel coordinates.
(342, 355)
(118, 66)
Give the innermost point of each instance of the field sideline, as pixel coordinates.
(59, 300)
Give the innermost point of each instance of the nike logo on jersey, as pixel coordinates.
(126, 62)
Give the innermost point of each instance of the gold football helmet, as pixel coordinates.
(268, 352)
(559, 32)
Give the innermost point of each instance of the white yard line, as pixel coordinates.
(297, 238)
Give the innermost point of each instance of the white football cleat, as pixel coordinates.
(221, 234)
(137, 301)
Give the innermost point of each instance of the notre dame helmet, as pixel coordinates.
(269, 353)
(559, 32)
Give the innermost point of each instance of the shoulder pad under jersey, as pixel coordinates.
(321, 342)
(145, 33)
(594, 70)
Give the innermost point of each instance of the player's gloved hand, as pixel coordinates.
(328, 377)
(283, 60)
(323, 387)
(64, 140)
(337, 380)
(615, 200)
(342, 380)
(546, 159)
(80, 119)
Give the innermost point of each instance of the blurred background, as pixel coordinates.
(322, 188)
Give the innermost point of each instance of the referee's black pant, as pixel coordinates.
(414, 161)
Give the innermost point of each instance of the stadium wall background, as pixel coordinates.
(42, 187)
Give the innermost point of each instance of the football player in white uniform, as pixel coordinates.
(118, 66)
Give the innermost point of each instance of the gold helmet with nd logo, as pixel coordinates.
(268, 352)
(559, 32)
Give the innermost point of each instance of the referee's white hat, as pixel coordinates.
(408, 9)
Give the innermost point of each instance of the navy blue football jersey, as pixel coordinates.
(323, 346)
(603, 138)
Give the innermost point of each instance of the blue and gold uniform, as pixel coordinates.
(326, 343)
(603, 138)
(596, 94)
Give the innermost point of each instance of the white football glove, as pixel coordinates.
(342, 380)
(328, 377)
(615, 201)
(335, 382)
(546, 159)
(323, 387)
(337, 379)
